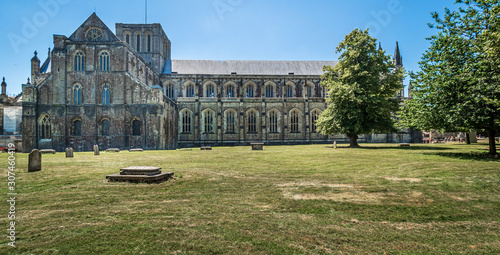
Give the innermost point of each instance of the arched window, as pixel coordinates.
(138, 44)
(269, 91)
(294, 121)
(136, 127)
(79, 62)
(230, 121)
(250, 91)
(210, 90)
(45, 128)
(127, 38)
(149, 43)
(190, 90)
(77, 95)
(289, 90)
(252, 122)
(208, 122)
(169, 90)
(186, 122)
(77, 128)
(230, 90)
(106, 96)
(273, 122)
(104, 61)
(314, 118)
(105, 127)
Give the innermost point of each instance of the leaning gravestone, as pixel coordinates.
(96, 149)
(69, 152)
(35, 161)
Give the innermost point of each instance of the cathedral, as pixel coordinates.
(123, 90)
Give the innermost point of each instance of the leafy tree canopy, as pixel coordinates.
(458, 86)
(361, 88)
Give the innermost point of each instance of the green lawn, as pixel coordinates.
(426, 199)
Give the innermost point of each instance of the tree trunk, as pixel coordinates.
(467, 137)
(353, 140)
(491, 135)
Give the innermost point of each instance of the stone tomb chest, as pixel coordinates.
(140, 174)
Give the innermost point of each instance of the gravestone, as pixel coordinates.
(96, 149)
(335, 144)
(206, 148)
(69, 152)
(48, 151)
(140, 174)
(35, 161)
(113, 150)
(136, 150)
(257, 146)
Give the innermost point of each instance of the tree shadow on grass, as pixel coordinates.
(476, 156)
(411, 148)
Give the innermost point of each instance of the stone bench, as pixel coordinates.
(48, 151)
(113, 150)
(404, 145)
(257, 146)
(206, 148)
(136, 150)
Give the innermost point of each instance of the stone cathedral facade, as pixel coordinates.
(124, 91)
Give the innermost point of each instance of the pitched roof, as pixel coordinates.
(94, 21)
(246, 67)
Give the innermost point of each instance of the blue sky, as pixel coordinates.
(222, 29)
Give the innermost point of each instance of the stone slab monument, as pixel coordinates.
(69, 152)
(96, 149)
(140, 174)
(35, 161)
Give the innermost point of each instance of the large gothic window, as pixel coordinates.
(230, 121)
(273, 122)
(169, 90)
(77, 128)
(208, 122)
(289, 90)
(106, 96)
(252, 122)
(104, 61)
(294, 121)
(45, 128)
(105, 128)
(136, 127)
(210, 90)
(269, 91)
(77, 95)
(230, 90)
(250, 91)
(186, 122)
(314, 119)
(79, 62)
(190, 90)
(308, 91)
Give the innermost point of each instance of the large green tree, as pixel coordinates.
(458, 86)
(362, 89)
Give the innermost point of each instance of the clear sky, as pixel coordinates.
(222, 29)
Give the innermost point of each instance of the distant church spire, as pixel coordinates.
(398, 60)
(379, 46)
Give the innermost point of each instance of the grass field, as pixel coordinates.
(426, 199)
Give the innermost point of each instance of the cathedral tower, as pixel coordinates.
(149, 40)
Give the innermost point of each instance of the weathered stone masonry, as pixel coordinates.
(124, 91)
